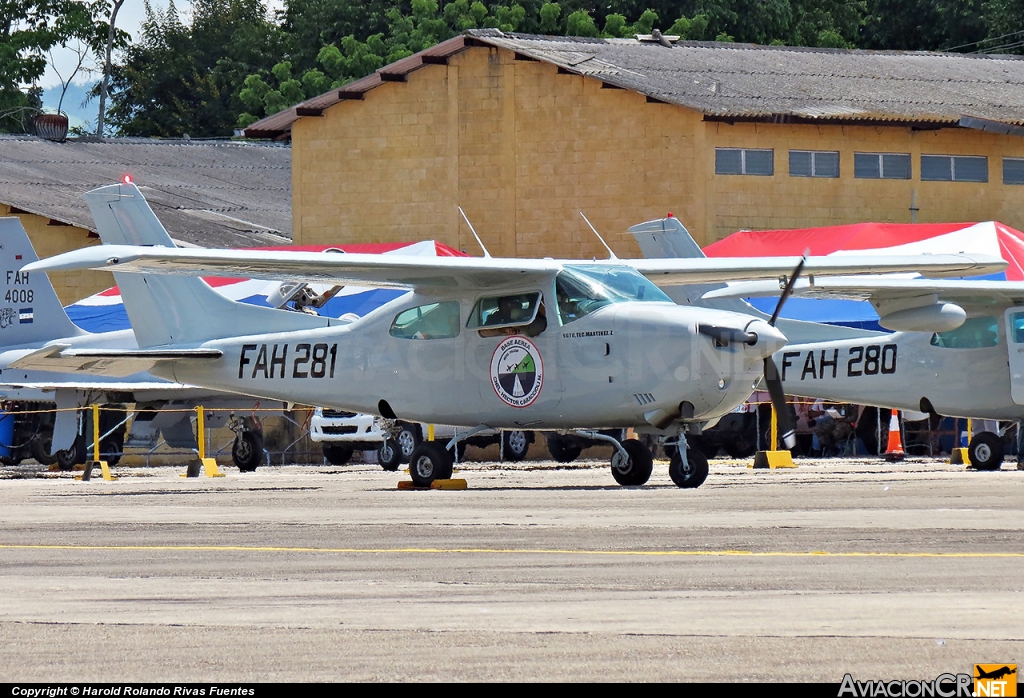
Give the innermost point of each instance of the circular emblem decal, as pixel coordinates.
(517, 372)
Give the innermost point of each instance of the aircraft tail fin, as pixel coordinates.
(30, 311)
(666, 238)
(168, 310)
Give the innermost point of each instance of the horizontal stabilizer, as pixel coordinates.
(106, 362)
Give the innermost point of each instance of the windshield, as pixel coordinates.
(583, 288)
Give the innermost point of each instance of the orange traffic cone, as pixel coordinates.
(894, 451)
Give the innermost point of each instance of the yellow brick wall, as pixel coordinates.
(49, 240)
(738, 202)
(523, 149)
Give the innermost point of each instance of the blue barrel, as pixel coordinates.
(6, 433)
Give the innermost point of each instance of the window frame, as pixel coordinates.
(1017, 160)
(743, 162)
(881, 165)
(952, 167)
(814, 159)
(457, 327)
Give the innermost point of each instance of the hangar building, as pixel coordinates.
(525, 131)
(206, 193)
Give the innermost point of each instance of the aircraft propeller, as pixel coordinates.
(771, 372)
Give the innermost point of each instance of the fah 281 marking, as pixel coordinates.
(271, 360)
(870, 360)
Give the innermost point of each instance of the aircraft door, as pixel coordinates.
(1015, 352)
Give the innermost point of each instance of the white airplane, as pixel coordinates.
(481, 342)
(958, 351)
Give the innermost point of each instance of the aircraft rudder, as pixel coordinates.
(30, 310)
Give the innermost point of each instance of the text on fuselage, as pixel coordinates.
(870, 360)
(272, 360)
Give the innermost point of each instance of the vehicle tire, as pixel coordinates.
(562, 449)
(636, 470)
(692, 476)
(69, 458)
(247, 451)
(112, 448)
(740, 447)
(708, 445)
(40, 448)
(389, 455)
(515, 445)
(337, 455)
(430, 461)
(986, 451)
(408, 439)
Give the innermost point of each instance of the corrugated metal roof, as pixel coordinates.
(206, 193)
(776, 83)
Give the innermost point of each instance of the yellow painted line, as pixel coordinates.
(504, 551)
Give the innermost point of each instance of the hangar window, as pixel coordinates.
(431, 321)
(954, 168)
(813, 163)
(975, 333)
(745, 161)
(881, 165)
(1013, 170)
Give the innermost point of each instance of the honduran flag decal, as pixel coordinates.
(25, 316)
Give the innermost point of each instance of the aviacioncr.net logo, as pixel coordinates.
(942, 686)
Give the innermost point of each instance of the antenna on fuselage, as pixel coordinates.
(486, 253)
(611, 255)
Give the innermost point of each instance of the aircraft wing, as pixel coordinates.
(963, 292)
(107, 362)
(478, 272)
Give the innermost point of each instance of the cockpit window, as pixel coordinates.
(581, 289)
(513, 310)
(975, 333)
(1017, 327)
(431, 321)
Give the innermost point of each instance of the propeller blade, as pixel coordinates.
(724, 336)
(787, 291)
(787, 430)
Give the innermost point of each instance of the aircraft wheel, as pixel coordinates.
(112, 448)
(636, 469)
(69, 458)
(337, 455)
(691, 476)
(408, 439)
(986, 451)
(562, 449)
(430, 461)
(515, 445)
(389, 455)
(40, 448)
(247, 451)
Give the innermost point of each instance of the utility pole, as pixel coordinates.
(106, 69)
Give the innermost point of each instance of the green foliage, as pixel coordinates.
(580, 23)
(30, 28)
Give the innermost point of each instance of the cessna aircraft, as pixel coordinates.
(958, 351)
(496, 343)
(957, 348)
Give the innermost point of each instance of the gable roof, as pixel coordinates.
(206, 193)
(736, 82)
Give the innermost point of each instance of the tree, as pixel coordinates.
(28, 29)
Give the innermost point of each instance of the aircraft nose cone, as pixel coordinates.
(769, 339)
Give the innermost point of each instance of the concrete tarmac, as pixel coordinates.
(537, 572)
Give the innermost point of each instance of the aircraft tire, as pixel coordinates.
(637, 470)
(986, 451)
(389, 455)
(247, 451)
(692, 477)
(561, 449)
(337, 455)
(69, 458)
(430, 461)
(740, 447)
(515, 445)
(112, 448)
(408, 439)
(40, 448)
